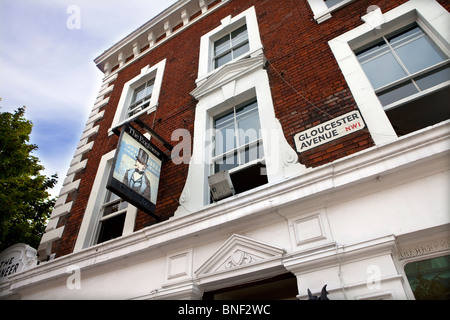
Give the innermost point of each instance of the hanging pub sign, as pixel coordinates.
(136, 170)
(329, 131)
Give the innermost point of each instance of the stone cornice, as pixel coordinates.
(155, 32)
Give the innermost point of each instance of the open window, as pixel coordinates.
(410, 75)
(238, 147)
(397, 68)
(112, 221)
(106, 215)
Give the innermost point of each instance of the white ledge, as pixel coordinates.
(410, 151)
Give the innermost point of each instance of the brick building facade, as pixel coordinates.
(354, 199)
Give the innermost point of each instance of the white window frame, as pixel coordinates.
(144, 100)
(239, 149)
(237, 83)
(233, 48)
(112, 215)
(430, 15)
(148, 73)
(233, 83)
(88, 233)
(322, 12)
(228, 25)
(261, 93)
(412, 76)
(212, 113)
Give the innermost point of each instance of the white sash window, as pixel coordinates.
(231, 46)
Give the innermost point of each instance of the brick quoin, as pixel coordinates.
(308, 88)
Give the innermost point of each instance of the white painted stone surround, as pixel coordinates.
(330, 225)
(62, 207)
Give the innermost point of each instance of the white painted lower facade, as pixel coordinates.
(352, 224)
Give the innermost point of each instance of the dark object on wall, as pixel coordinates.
(323, 294)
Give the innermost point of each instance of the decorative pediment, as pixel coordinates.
(237, 252)
(227, 74)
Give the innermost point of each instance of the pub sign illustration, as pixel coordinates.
(136, 170)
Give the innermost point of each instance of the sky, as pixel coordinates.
(47, 48)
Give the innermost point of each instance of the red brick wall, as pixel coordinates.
(313, 89)
(308, 88)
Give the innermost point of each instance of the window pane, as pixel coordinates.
(226, 163)
(222, 45)
(107, 210)
(331, 3)
(225, 134)
(430, 279)
(249, 129)
(134, 109)
(415, 50)
(222, 60)
(396, 93)
(139, 93)
(111, 228)
(241, 50)
(250, 107)
(434, 78)
(110, 196)
(231, 46)
(224, 120)
(225, 140)
(239, 36)
(247, 119)
(116, 205)
(380, 65)
(252, 153)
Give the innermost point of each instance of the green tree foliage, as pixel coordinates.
(25, 203)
